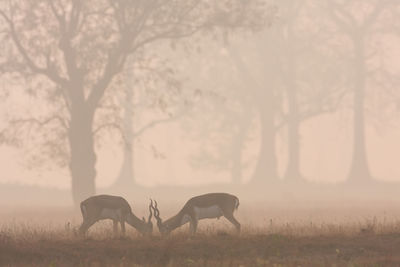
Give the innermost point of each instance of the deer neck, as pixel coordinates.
(178, 220)
(135, 222)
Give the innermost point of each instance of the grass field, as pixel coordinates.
(298, 237)
(53, 248)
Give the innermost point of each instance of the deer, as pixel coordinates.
(212, 205)
(117, 209)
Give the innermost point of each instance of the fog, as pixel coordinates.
(288, 104)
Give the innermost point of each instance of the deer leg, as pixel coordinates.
(193, 225)
(115, 227)
(83, 228)
(122, 227)
(232, 219)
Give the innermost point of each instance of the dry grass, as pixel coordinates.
(305, 238)
(59, 249)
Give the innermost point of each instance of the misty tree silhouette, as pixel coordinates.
(71, 54)
(358, 31)
(295, 90)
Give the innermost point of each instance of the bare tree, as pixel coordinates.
(308, 75)
(79, 48)
(283, 77)
(264, 97)
(358, 31)
(295, 90)
(167, 105)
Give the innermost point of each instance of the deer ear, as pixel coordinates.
(143, 219)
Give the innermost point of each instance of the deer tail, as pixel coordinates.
(83, 209)
(236, 203)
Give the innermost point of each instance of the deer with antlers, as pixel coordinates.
(212, 205)
(117, 209)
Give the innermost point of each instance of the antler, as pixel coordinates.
(157, 213)
(150, 207)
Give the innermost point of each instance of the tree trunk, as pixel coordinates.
(125, 179)
(238, 143)
(266, 167)
(293, 168)
(237, 148)
(359, 169)
(83, 157)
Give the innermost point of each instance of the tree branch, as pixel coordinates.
(155, 123)
(114, 65)
(374, 14)
(348, 27)
(31, 64)
(42, 123)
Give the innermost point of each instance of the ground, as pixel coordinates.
(219, 249)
